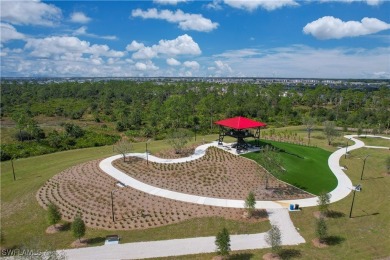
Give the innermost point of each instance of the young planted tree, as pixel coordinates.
(178, 139)
(309, 125)
(274, 239)
(250, 203)
(53, 214)
(330, 131)
(222, 241)
(78, 227)
(321, 229)
(123, 147)
(323, 202)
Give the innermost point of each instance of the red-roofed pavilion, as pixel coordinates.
(237, 127)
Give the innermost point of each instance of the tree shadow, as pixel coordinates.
(260, 214)
(241, 256)
(289, 253)
(373, 178)
(96, 240)
(334, 214)
(334, 240)
(366, 215)
(64, 227)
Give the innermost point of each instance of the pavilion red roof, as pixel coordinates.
(240, 123)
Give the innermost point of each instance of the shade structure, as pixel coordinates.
(240, 123)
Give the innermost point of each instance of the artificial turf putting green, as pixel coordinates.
(306, 167)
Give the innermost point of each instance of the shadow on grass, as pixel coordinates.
(366, 215)
(299, 186)
(242, 256)
(335, 214)
(334, 240)
(289, 253)
(64, 227)
(373, 178)
(96, 240)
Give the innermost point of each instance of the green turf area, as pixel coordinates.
(306, 167)
(364, 236)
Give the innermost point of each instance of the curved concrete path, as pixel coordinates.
(344, 184)
(177, 247)
(187, 246)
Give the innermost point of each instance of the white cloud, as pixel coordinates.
(239, 53)
(182, 45)
(223, 67)
(169, 2)
(145, 53)
(29, 13)
(192, 64)
(215, 5)
(329, 27)
(79, 17)
(268, 5)
(369, 2)
(8, 33)
(186, 21)
(141, 66)
(83, 31)
(302, 61)
(65, 47)
(135, 46)
(173, 62)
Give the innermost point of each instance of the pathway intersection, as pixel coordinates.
(277, 211)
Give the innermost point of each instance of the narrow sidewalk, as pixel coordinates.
(188, 246)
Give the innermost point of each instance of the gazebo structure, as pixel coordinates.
(237, 127)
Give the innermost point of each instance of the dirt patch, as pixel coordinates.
(217, 174)
(317, 243)
(79, 243)
(318, 215)
(52, 229)
(85, 188)
(271, 256)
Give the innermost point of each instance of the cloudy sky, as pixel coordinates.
(259, 38)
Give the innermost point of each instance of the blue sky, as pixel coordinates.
(262, 38)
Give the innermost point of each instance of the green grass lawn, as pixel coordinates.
(306, 167)
(23, 220)
(364, 236)
(375, 141)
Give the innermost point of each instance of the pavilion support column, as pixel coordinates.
(221, 135)
(257, 136)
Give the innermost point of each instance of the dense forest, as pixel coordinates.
(152, 109)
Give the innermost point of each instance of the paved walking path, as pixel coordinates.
(175, 247)
(186, 246)
(342, 190)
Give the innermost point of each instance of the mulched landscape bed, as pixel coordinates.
(86, 189)
(217, 174)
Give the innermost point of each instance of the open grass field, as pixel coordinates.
(306, 167)
(375, 141)
(365, 236)
(23, 220)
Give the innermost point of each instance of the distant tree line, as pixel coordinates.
(152, 109)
